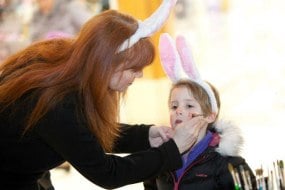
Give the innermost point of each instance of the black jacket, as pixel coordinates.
(209, 171)
(62, 135)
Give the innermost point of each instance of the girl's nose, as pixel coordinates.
(178, 111)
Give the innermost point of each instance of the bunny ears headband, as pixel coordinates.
(150, 25)
(177, 62)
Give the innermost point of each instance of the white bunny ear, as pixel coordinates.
(169, 57)
(186, 57)
(150, 25)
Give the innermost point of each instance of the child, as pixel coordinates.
(211, 161)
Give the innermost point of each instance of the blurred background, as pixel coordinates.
(238, 46)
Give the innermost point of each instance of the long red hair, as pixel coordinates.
(84, 64)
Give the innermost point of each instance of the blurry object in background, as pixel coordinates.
(98, 6)
(64, 166)
(11, 28)
(217, 5)
(57, 34)
(5, 7)
(181, 8)
(45, 182)
(95, 6)
(65, 16)
(4, 51)
(2, 5)
(105, 5)
(274, 179)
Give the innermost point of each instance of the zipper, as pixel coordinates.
(177, 182)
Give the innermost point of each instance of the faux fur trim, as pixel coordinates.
(231, 140)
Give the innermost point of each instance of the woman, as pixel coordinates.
(59, 102)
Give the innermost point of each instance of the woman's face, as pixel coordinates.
(182, 106)
(122, 79)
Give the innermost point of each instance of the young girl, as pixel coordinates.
(211, 161)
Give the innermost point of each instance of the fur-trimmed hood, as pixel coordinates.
(231, 140)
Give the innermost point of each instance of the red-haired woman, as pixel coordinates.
(59, 102)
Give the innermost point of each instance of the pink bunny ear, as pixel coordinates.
(192, 72)
(186, 58)
(169, 57)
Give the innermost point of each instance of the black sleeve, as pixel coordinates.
(132, 138)
(63, 132)
(150, 184)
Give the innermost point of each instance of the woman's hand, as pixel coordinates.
(159, 134)
(186, 133)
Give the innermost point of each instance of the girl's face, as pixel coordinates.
(182, 106)
(122, 79)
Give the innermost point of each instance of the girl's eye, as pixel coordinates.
(173, 107)
(189, 106)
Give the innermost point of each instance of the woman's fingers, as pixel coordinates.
(186, 133)
(159, 135)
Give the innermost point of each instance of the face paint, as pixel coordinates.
(183, 106)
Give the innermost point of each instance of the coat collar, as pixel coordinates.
(227, 139)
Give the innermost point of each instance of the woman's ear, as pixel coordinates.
(211, 117)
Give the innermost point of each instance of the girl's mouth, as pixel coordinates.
(178, 121)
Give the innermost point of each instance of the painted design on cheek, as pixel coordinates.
(190, 115)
